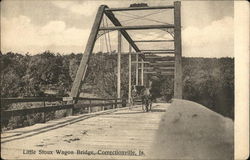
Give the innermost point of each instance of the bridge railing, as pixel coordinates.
(47, 107)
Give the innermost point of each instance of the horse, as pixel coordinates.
(146, 99)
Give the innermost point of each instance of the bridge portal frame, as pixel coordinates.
(103, 9)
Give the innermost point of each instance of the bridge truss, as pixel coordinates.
(150, 64)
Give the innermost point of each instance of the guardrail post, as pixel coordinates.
(113, 106)
(115, 103)
(124, 102)
(4, 121)
(44, 115)
(70, 112)
(103, 102)
(89, 110)
(73, 107)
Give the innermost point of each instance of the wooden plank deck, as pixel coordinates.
(93, 136)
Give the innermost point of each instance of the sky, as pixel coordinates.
(64, 26)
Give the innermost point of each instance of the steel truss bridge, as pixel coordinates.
(113, 127)
(149, 63)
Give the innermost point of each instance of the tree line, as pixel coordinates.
(208, 81)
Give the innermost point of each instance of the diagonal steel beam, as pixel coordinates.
(81, 72)
(125, 34)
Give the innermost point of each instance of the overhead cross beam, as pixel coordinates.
(167, 63)
(163, 68)
(153, 53)
(139, 41)
(153, 69)
(141, 27)
(140, 62)
(139, 8)
(158, 58)
(164, 62)
(153, 72)
(158, 50)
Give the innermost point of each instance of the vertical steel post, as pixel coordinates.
(142, 70)
(129, 74)
(146, 80)
(119, 65)
(137, 70)
(178, 51)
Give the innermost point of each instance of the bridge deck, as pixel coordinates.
(120, 130)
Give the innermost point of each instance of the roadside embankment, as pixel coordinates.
(191, 131)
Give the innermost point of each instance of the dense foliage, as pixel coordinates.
(209, 81)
